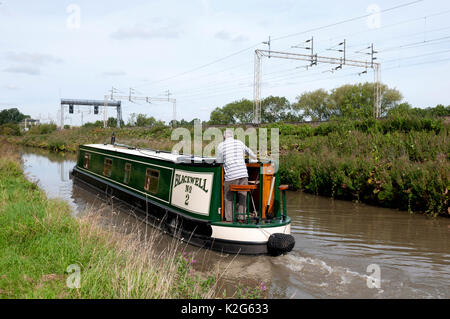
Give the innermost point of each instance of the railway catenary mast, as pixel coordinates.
(314, 59)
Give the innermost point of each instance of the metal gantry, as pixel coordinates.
(314, 59)
(95, 103)
(132, 98)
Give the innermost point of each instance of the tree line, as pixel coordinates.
(9, 121)
(350, 101)
(12, 115)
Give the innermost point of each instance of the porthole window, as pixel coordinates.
(151, 180)
(107, 167)
(127, 174)
(87, 159)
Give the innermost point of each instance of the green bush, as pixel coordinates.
(57, 144)
(42, 129)
(399, 169)
(409, 123)
(10, 129)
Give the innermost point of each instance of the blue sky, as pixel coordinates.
(203, 51)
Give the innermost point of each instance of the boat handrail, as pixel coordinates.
(244, 188)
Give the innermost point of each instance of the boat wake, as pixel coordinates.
(322, 280)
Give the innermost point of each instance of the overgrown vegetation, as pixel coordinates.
(397, 162)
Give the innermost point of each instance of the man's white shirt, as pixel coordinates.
(231, 153)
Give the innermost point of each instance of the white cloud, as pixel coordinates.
(32, 58)
(114, 73)
(223, 35)
(206, 7)
(240, 38)
(4, 9)
(23, 70)
(11, 87)
(141, 31)
(227, 36)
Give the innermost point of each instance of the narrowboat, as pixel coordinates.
(183, 195)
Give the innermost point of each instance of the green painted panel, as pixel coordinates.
(137, 174)
(139, 165)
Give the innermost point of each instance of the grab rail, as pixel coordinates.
(283, 189)
(248, 188)
(242, 188)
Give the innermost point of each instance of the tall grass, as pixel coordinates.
(406, 170)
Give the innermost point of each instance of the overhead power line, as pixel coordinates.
(317, 77)
(391, 25)
(344, 21)
(293, 70)
(201, 66)
(276, 39)
(353, 74)
(292, 73)
(414, 44)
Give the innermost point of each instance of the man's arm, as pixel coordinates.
(249, 152)
(219, 155)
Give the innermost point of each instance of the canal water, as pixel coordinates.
(343, 249)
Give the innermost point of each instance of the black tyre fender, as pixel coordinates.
(279, 244)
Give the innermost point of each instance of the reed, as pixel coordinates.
(405, 170)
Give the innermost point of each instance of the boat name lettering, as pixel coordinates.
(185, 179)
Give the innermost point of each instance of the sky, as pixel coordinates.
(202, 52)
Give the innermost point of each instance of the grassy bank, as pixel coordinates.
(398, 162)
(40, 240)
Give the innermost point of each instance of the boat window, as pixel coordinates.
(127, 175)
(151, 180)
(87, 159)
(107, 167)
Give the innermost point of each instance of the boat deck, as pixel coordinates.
(154, 154)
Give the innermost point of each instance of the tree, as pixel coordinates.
(235, 112)
(277, 109)
(112, 122)
(405, 109)
(12, 116)
(440, 110)
(356, 101)
(316, 105)
(352, 101)
(219, 116)
(273, 109)
(402, 109)
(142, 120)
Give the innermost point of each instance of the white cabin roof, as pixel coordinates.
(161, 155)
